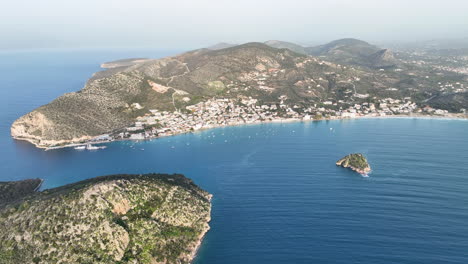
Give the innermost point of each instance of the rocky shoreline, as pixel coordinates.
(79, 142)
(356, 162)
(14, 190)
(250, 83)
(202, 235)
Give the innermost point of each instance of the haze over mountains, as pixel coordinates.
(143, 23)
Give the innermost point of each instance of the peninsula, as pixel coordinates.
(356, 162)
(140, 99)
(151, 218)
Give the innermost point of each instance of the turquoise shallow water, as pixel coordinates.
(278, 197)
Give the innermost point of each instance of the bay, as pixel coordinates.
(278, 196)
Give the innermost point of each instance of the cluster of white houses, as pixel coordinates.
(226, 112)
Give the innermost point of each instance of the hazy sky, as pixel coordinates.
(190, 24)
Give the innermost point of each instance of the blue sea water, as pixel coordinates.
(278, 196)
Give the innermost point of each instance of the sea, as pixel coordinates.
(278, 195)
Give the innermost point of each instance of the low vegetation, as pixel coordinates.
(356, 162)
(149, 218)
(11, 191)
(338, 76)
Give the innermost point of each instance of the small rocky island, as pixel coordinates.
(151, 218)
(356, 162)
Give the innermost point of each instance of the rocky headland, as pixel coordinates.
(151, 218)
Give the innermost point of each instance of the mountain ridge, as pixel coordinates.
(115, 98)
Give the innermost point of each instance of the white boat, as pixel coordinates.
(91, 147)
(80, 147)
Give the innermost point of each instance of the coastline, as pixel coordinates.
(201, 237)
(38, 187)
(282, 120)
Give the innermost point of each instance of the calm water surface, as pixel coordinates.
(278, 197)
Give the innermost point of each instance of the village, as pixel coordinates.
(219, 112)
(231, 111)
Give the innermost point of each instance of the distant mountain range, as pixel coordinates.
(353, 51)
(287, 45)
(221, 45)
(346, 51)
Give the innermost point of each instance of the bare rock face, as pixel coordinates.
(36, 128)
(150, 218)
(32, 125)
(356, 162)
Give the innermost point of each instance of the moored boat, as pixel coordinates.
(91, 147)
